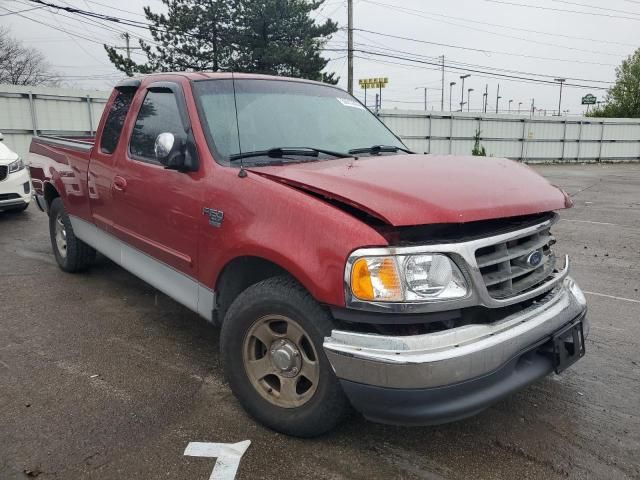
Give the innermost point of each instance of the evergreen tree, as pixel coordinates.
(193, 35)
(276, 37)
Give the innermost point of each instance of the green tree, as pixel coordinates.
(192, 35)
(623, 99)
(478, 150)
(276, 37)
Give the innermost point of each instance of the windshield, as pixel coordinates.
(284, 114)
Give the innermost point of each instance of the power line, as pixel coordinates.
(19, 11)
(509, 27)
(562, 10)
(423, 14)
(497, 52)
(473, 70)
(116, 8)
(51, 26)
(423, 67)
(464, 64)
(597, 8)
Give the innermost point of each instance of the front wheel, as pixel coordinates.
(271, 344)
(72, 254)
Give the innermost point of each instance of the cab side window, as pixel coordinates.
(158, 114)
(115, 121)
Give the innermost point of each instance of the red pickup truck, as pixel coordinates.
(345, 271)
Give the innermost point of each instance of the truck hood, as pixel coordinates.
(404, 190)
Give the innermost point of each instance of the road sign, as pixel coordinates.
(380, 82)
(589, 99)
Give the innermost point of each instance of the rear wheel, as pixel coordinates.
(72, 254)
(271, 344)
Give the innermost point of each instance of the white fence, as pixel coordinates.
(25, 111)
(28, 111)
(519, 137)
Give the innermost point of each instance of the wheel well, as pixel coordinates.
(50, 193)
(237, 276)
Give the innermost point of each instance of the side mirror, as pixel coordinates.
(174, 153)
(163, 146)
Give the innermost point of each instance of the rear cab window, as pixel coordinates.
(115, 120)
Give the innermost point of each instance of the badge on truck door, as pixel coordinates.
(215, 216)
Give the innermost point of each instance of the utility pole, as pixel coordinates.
(469, 99)
(462, 77)
(498, 97)
(350, 47)
(485, 98)
(561, 81)
(451, 84)
(127, 37)
(442, 93)
(127, 47)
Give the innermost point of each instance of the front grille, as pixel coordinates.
(9, 196)
(3, 172)
(504, 266)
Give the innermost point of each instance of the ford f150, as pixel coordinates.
(345, 271)
(15, 185)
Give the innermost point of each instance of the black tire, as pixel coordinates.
(282, 296)
(78, 256)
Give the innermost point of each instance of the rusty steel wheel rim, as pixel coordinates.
(281, 361)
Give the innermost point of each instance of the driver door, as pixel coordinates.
(156, 210)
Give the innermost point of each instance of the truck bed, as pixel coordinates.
(80, 142)
(62, 163)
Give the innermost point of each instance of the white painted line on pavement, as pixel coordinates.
(613, 297)
(228, 455)
(608, 328)
(598, 223)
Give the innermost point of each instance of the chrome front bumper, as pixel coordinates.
(455, 355)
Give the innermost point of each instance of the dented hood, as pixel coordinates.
(404, 190)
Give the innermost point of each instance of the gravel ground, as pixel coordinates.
(103, 377)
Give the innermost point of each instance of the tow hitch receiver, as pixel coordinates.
(567, 345)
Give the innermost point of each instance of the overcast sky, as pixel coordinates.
(580, 40)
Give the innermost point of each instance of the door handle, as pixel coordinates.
(119, 183)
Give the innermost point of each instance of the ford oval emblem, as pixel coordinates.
(534, 258)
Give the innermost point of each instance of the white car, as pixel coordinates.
(15, 182)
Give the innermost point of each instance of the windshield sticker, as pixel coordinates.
(347, 102)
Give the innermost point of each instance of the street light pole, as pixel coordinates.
(469, 99)
(533, 106)
(519, 105)
(425, 96)
(485, 98)
(462, 77)
(451, 84)
(350, 46)
(498, 97)
(561, 81)
(510, 102)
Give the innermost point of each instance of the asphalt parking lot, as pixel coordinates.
(103, 377)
